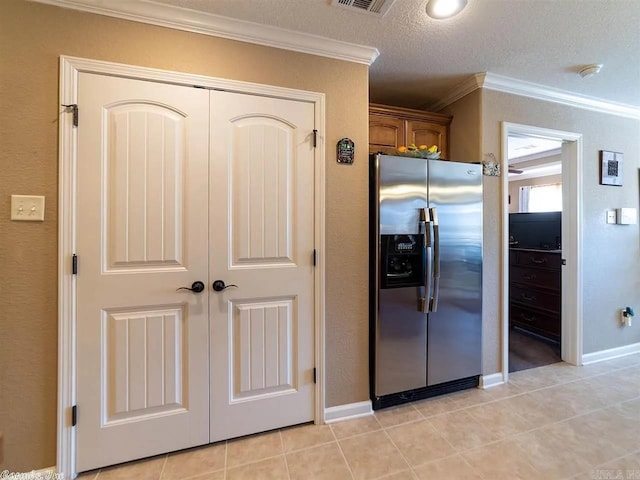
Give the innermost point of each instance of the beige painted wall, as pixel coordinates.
(466, 127)
(32, 37)
(610, 252)
(514, 188)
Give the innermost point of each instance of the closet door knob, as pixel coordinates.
(196, 287)
(219, 286)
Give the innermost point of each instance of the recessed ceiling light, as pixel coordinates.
(589, 70)
(440, 9)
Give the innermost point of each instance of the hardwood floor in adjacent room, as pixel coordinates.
(530, 351)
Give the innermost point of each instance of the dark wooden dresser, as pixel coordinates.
(534, 291)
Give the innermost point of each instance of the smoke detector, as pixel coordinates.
(375, 7)
(590, 70)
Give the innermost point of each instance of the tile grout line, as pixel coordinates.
(397, 424)
(322, 444)
(510, 437)
(209, 472)
(471, 466)
(344, 457)
(442, 436)
(226, 452)
(524, 432)
(456, 454)
(436, 414)
(389, 475)
(597, 466)
(239, 465)
(357, 434)
(514, 435)
(525, 392)
(164, 464)
(401, 455)
(459, 450)
(251, 462)
(587, 378)
(575, 380)
(284, 454)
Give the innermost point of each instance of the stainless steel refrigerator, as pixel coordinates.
(425, 277)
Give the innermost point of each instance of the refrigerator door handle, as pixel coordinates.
(425, 229)
(433, 216)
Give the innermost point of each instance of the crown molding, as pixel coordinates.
(470, 85)
(146, 11)
(563, 97)
(500, 83)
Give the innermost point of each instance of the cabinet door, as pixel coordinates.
(386, 134)
(425, 133)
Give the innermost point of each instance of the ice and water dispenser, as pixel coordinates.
(402, 261)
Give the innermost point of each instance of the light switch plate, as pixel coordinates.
(611, 216)
(27, 208)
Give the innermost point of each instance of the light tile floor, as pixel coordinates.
(552, 422)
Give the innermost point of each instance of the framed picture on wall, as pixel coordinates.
(611, 168)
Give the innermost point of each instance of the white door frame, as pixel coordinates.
(70, 67)
(571, 333)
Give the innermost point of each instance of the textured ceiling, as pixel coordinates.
(540, 41)
(524, 147)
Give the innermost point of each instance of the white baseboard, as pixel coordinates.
(493, 380)
(610, 354)
(348, 411)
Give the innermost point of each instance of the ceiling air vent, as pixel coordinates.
(375, 7)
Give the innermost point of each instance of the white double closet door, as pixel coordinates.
(177, 185)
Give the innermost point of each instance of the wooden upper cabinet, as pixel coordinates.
(391, 127)
(427, 133)
(386, 133)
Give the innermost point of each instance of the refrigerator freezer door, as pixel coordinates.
(402, 192)
(400, 326)
(455, 327)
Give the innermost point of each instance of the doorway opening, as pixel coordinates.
(535, 250)
(541, 231)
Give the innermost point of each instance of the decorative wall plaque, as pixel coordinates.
(490, 166)
(345, 151)
(611, 168)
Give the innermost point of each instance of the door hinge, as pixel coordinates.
(315, 257)
(315, 138)
(74, 264)
(563, 261)
(314, 375)
(74, 109)
(74, 415)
